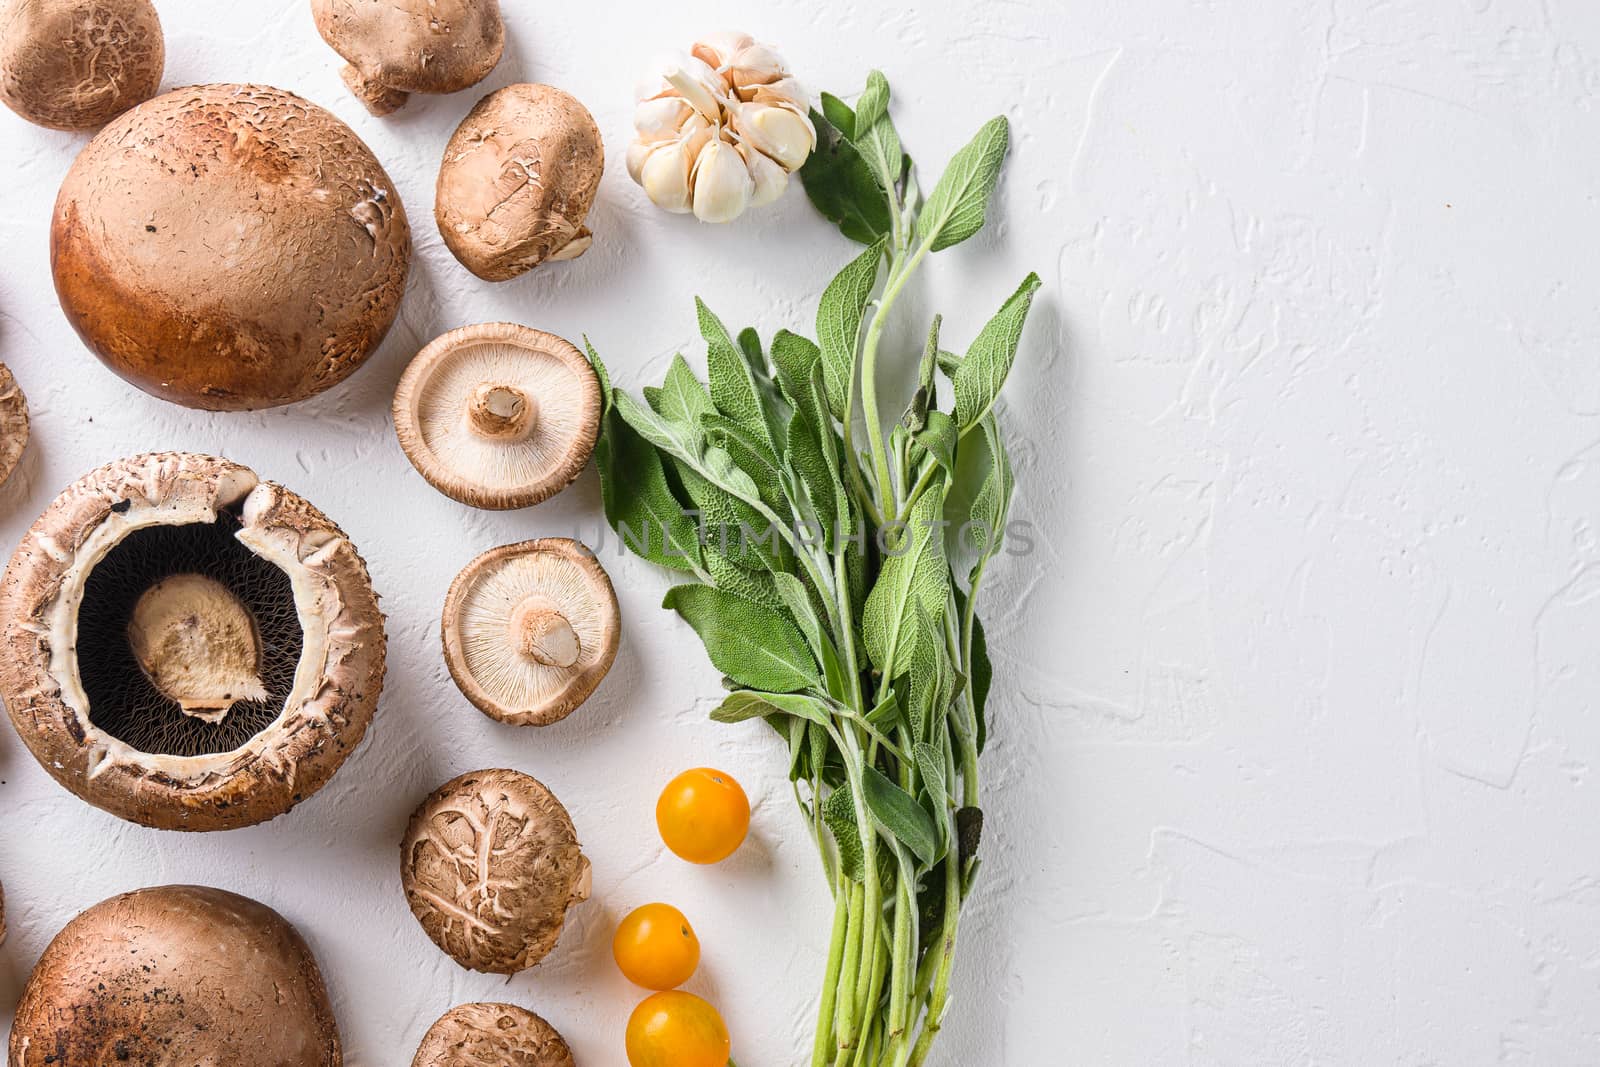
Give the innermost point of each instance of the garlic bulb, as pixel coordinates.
(722, 130)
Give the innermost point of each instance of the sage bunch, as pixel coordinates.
(833, 561)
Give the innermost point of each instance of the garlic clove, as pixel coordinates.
(701, 86)
(776, 131)
(770, 179)
(757, 64)
(659, 118)
(638, 152)
(665, 177)
(716, 49)
(722, 183)
(786, 91)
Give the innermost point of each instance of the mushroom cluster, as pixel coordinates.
(176, 975)
(722, 130)
(78, 64)
(530, 630)
(229, 247)
(186, 646)
(491, 864)
(393, 50)
(517, 181)
(504, 1035)
(497, 415)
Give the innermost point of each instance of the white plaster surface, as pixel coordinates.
(1296, 742)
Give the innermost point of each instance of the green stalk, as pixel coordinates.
(830, 982)
(846, 1019)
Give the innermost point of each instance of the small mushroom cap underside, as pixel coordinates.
(78, 64)
(518, 179)
(176, 975)
(498, 416)
(230, 247)
(501, 1035)
(14, 426)
(490, 865)
(83, 575)
(530, 630)
(197, 642)
(395, 48)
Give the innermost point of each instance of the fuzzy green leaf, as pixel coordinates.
(982, 374)
(733, 386)
(931, 765)
(752, 644)
(839, 323)
(938, 439)
(839, 813)
(900, 815)
(957, 207)
(839, 115)
(681, 396)
(982, 677)
(875, 136)
(914, 576)
(841, 184)
(744, 704)
(638, 501)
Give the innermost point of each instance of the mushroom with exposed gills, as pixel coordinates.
(530, 630)
(78, 64)
(395, 49)
(176, 975)
(490, 865)
(498, 416)
(517, 181)
(187, 646)
(476, 1034)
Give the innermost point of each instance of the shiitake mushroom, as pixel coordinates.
(490, 865)
(78, 64)
(186, 646)
(505, 1035)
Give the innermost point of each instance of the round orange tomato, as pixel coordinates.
(703, 815)
(677, 1029)
(655, 947)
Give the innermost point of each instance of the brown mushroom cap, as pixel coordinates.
(518, 178)
(13, 423)
(498, 415)
(229, 247)
(78, 64)
(501, 1035)
(530, 630)
(394, 49)
(115, 730)
(490, 864)
(176, 975)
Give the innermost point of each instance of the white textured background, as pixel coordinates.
(1296, 707)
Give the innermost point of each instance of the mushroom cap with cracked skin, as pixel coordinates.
(492, 1035)
(176, 975)
(394, 49)
(14, 423)
(490, 864)
(518, 178)
(95, 720)
(498, 415)
(78, 64)
(531, 629)
(229, 247)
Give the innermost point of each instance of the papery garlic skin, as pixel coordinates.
(722, 129)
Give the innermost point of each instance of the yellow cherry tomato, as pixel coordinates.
(703, 815)
(677, 1029)
(655, 947)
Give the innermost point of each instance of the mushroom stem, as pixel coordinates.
(540, 632)
(501, 412)
(198, 645)
(379, 99)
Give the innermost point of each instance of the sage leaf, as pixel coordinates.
(746, 704)
(753, 582)
(839, 814)
(638, 501)
(839, 115)
(842, 186)
(931, 765)
(875, 136)
(979, 379)
(839, 316)
(900, 815)
(957, 207)
(982, 676)
(938, 439)
(750, 643)
(681, 396)
(733, 387)
(915, 575)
